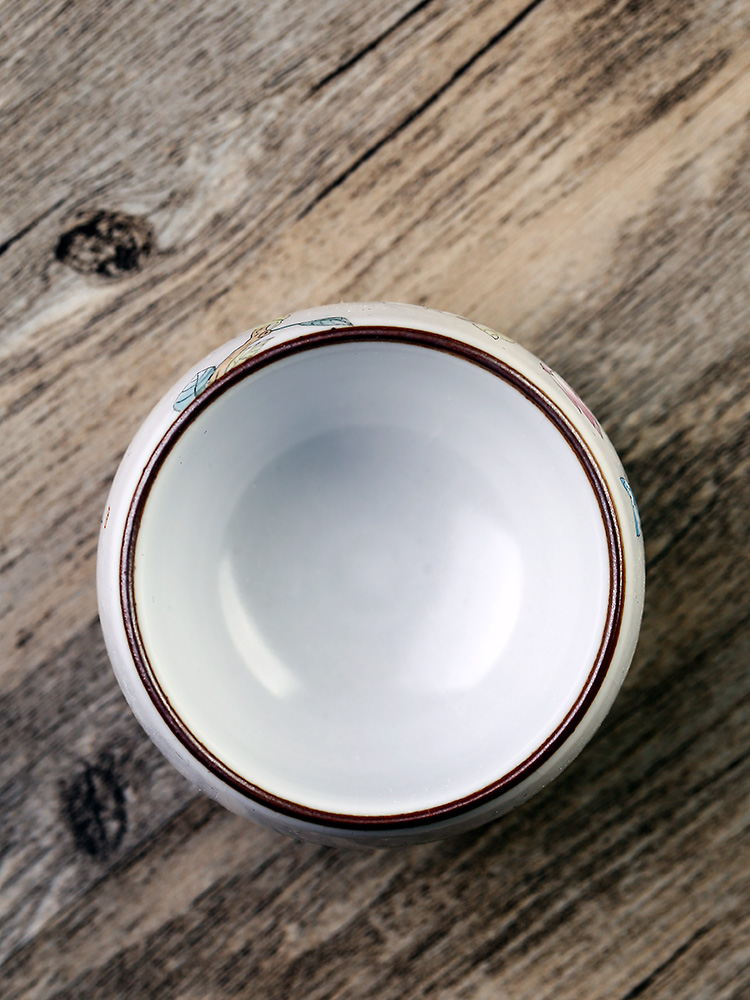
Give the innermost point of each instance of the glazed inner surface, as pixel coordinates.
(371, 578)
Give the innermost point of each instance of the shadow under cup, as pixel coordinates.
(370, 577)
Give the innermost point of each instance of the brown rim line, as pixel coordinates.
(601, 663)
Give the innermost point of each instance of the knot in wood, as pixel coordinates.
(93, 803)
(106, 243)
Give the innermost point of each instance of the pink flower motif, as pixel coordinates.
(575, 399)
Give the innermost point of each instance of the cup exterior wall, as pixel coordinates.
(291, 328)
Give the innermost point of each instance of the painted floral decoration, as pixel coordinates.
(258, 337)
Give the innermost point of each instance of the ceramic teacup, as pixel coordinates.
(371, 573)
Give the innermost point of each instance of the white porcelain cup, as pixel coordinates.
(371, 573)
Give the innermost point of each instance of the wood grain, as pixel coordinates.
(574, 173)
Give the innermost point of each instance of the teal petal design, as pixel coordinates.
(636, 515)
(328, 321)
(194, 388)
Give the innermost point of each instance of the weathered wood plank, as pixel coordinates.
(222, 162)
(575, 173)
(90, 380)
(81, 787)
(582, 892)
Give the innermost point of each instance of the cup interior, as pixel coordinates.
(371, 577)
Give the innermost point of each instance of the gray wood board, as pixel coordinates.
(575, 174)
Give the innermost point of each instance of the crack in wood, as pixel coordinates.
(31, 225)
(647, 981)
(370, 47)
(424, 106)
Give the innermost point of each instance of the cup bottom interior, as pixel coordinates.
(371, 578)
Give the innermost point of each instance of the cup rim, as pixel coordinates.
(615, 604)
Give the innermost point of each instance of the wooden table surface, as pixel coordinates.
(574, 173)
